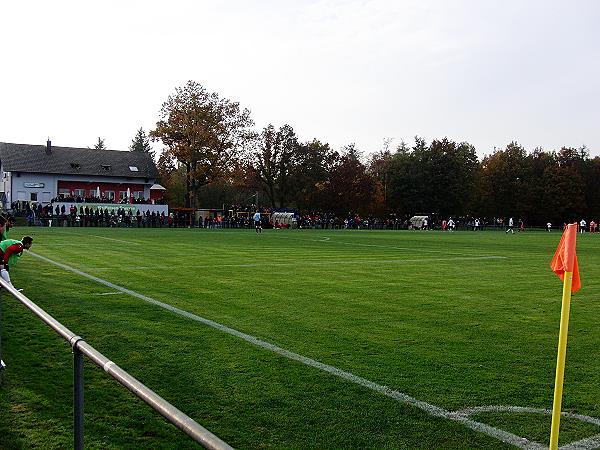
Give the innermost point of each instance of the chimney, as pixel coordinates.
(48, 147)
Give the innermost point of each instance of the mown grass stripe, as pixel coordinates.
(322, 262)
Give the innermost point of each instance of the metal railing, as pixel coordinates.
(80, 348)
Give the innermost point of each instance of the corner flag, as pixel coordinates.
(565, 258)
(564, 264)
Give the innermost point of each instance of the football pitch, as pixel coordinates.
(297, 339)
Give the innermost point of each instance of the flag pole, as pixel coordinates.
(560, 360)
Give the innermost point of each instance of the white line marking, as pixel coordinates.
(107, 365)
(113, 239)
(524, 409)
(590, 443)
(108, 293)
(433, 410)
(389, 247)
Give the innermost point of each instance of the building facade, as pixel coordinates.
(43, 174)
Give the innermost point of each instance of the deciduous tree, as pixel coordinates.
(313, 167)
(204, 133)
(172, 177)
(351, 188)
(273, 163)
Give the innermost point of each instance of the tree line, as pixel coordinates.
(213, 156)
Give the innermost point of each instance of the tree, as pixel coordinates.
(504, 174)
(351, 189)
(537, 202)
(439, 177)
(100, 145)
(592, 190)
(313, 167)
(405, 178)
(233, 190)
(141, 143)
(273, 161)
(450, 176)
(172, 177)
(204, 133)
(380, 166)
(565, 184)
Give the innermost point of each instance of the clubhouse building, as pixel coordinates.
(44, 174)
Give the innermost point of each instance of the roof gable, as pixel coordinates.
(73, 161)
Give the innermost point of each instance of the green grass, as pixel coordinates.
(457, 320)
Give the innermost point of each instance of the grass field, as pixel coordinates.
(455, 320)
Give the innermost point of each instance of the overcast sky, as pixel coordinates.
(342, 71)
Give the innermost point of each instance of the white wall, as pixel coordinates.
(158, 209)
(16, 185)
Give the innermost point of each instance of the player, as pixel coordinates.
(11, 250)
(257, 223)
(451, 224)
(511, 225)
(4, 227)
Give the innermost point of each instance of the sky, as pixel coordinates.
(487, 72)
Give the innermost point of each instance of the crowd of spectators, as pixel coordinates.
(330, 221)
(237, 216)
(104, 199)
(396, 222)
(84, 216)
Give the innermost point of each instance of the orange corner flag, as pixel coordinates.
(565, 258)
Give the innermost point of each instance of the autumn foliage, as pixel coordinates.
(213, 156)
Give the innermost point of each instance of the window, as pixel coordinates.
(79, 192)
(62, 192)
(133, 168)
(122, 195)
(110, 195)
(138, 194)
(33, 196)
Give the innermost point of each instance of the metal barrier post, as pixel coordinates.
(77, 395)
(80, 349)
